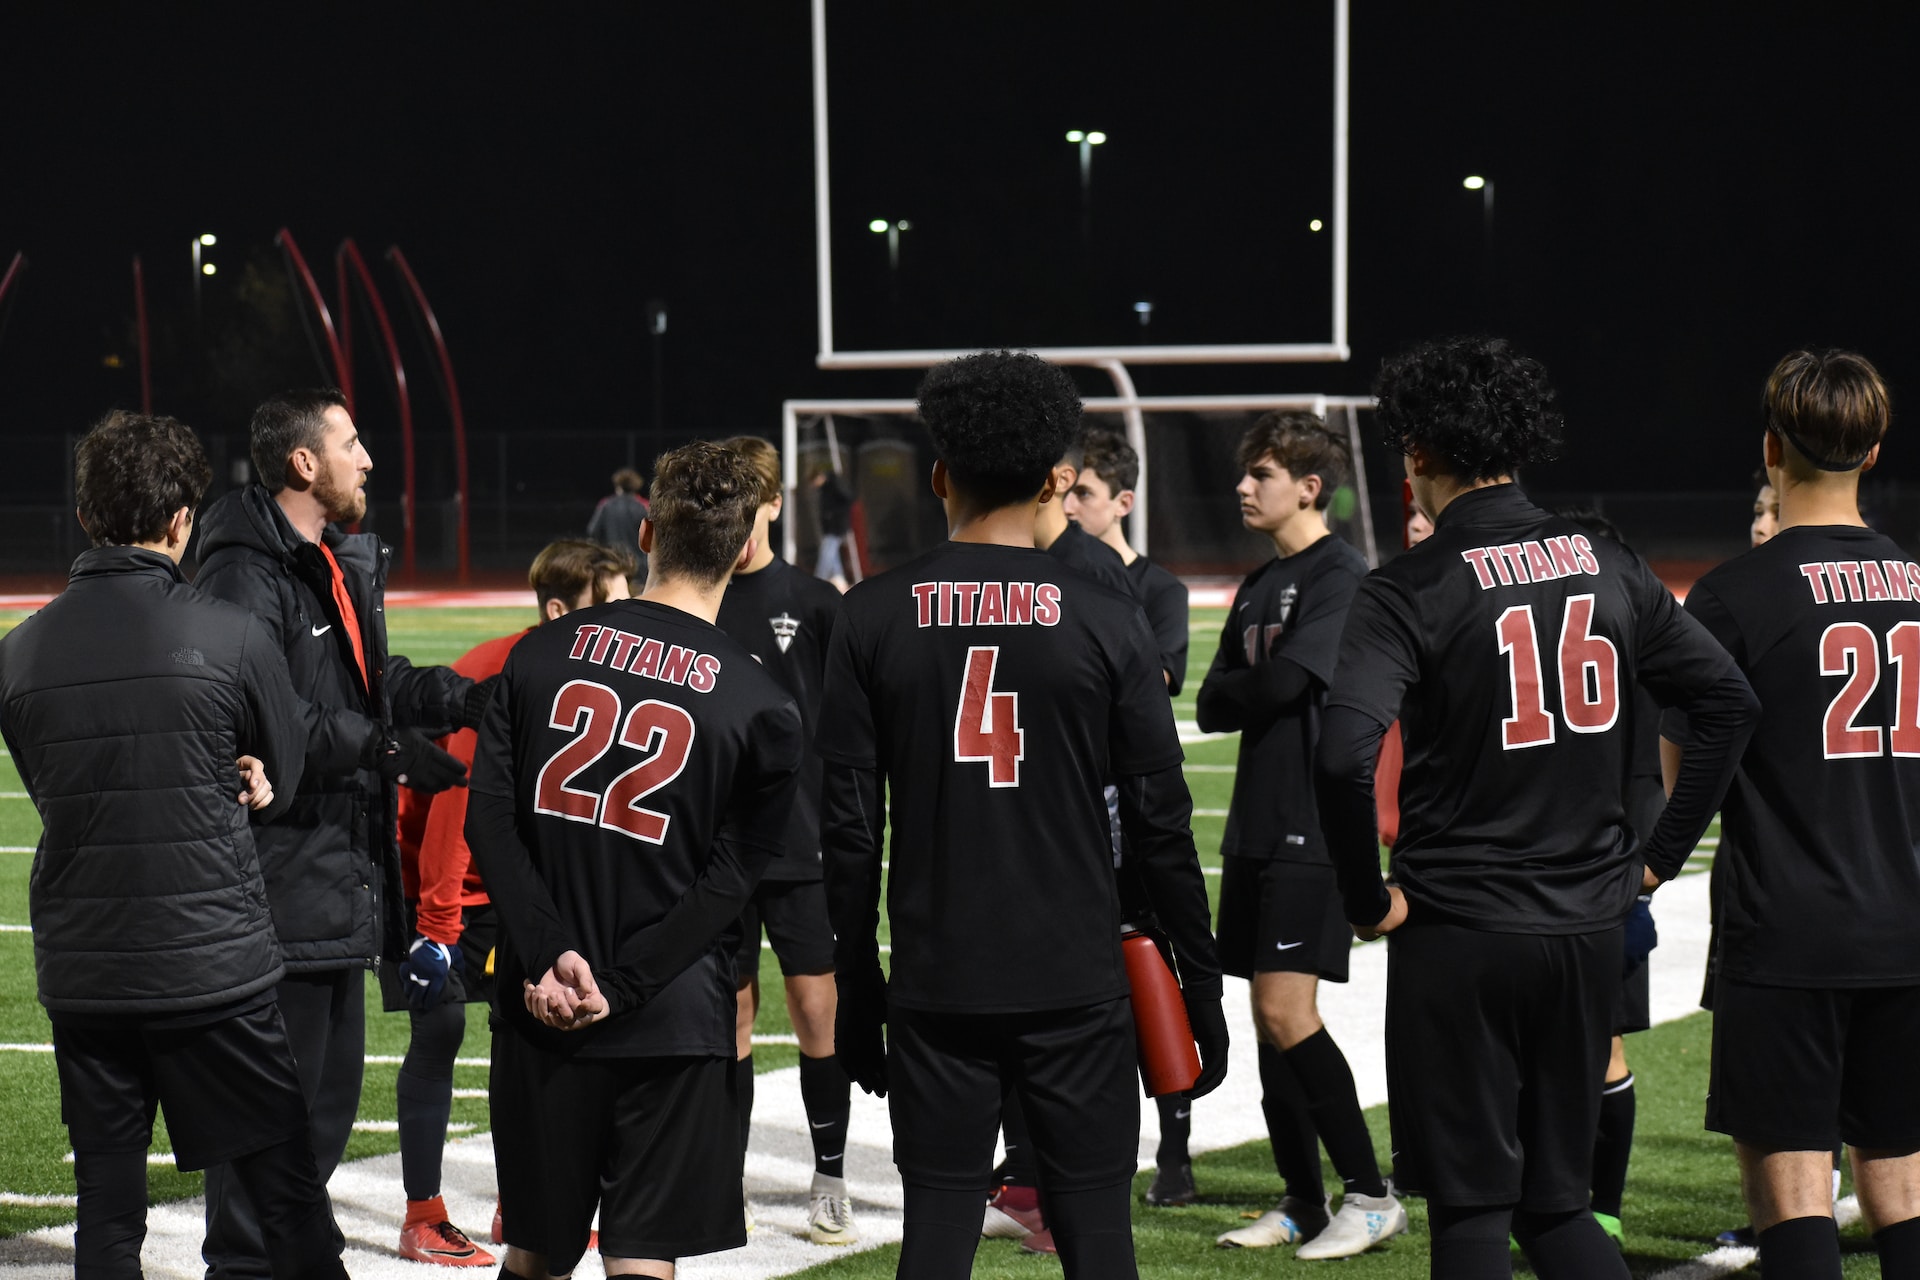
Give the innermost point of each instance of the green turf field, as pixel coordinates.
(1682, 1189)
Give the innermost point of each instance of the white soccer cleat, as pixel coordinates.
(1363, 1222)
(1290, 1222)
(830, 1211)
(1846, 1212)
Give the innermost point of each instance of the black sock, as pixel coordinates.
(1021, 1167)
(827, 1095)
(1470, 1243)
(940, 1234)
(743, 1095)
(1569, 1246)
(1334, 1103)
(1296, 1147)
(425, 1106)
(1093, 1229)
(1804, 1248)
(1613, 1145)
(1899, 1247)
(1176, 1129)
(113, 1212)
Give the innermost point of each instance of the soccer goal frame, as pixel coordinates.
(1132, 409)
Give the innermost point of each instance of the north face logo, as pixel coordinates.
(189, 657)
(785, 628)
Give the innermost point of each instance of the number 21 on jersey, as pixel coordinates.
(986, 727)
(1589, 676)
(661, 732)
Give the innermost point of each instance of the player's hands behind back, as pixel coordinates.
(256, 791)
(1210, 1037)
(566, 998)
(858, 1041)
(1395, 917)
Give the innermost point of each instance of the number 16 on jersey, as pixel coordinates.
(986, 727)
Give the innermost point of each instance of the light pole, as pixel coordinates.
(1086, 140)
(892, 230)
(201, 268)
(1474, 182)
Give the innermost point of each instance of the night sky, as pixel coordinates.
(1683, 194)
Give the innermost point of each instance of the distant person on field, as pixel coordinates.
(616, 521)
(333, 867)
(450, 961)
(126, 703)
(1766, 509)
(835, 508)
(1101, 497)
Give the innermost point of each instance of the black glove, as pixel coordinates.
(411, 759)
(858, 1040)
(1642, 937)
(474, 705)
(424, 972)
(1210, 1034)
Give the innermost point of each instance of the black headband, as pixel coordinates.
(1824, 463)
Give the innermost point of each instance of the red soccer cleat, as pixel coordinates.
(442, 1244)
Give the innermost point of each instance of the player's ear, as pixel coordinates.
(302, 467)
(1065, 476)
(746, 555)
(1310, 487)
(1771, 452)
(779, 502)
(553, 608)
(646, 536)
(180, 527)
(1873, 457)
(1123, 502)
(939, 481)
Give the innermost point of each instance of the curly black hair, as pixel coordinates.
(1479, 405)
(132, 472)
(1000, 420)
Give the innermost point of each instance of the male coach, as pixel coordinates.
(1816, 1002)
(332, 866)
(1507, 644)
(631, 782)
(988, 693)
(126, 703)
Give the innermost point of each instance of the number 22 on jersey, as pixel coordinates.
(660, 731)
(986, 727)
(1589, 676)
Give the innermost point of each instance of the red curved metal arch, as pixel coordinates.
(452, 390)
(348, 255)
(140, 316)
(343, 375)
(14, 269)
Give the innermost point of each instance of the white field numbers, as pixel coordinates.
(661, 732)
(1851, 649)
(1589, 676)
(986, 726)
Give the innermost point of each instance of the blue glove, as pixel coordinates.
(1642, 937)
(424, 972)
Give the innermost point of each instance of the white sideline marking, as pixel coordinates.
(469, 1093)
(394, 1060)
(393, 1126)
(153, 1157)
(1210, 768)
(17, 848)
(1724, 1261)
(16, 928)
(26, 1048)
(39, 1202)
(1209, 813)
(14, 795)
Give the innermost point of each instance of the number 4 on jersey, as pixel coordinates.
(987, 728)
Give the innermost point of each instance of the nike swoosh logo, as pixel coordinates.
(824, 1124)
(320, 631)
(1288, 946)
(1182, 1115)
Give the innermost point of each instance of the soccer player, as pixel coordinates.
(1280, 924)
(632, 780)
(333, 867)
(988, 693)
(784, 617)
(1506, 643)
(1817, 997)
(126, 703)
(448, 963)
(1766, 509)
(1101, 496)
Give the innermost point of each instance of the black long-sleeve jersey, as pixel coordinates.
(1822, 823)
(1164, 597)
(1508, 645)
(784, 618)
(1088, 556)
(631, 755)
(996, 693)
(1269, 680)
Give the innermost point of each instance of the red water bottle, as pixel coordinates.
(1169, 1060)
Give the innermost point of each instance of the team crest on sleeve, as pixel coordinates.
(785, 628)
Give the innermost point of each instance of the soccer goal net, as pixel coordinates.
(1186, 514)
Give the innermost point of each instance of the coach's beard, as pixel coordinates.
(343, 505)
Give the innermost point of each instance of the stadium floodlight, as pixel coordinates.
(1095, 138)
(1075, 135)
(209, 239)
(1315, 225)
(1145, 311)
(207, 268)
(877, 226)
(892, 230)
(1474, 183)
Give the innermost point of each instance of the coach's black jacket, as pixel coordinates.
(126, 702)
(333, 863)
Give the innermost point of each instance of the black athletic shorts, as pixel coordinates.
(472, 982)
(638, 1138)
(1633, 1002)
(1796, 1069)
(1497, 1047)
(794, 913)
(1281, 917)
(230, 1088)
(1078, 1077)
